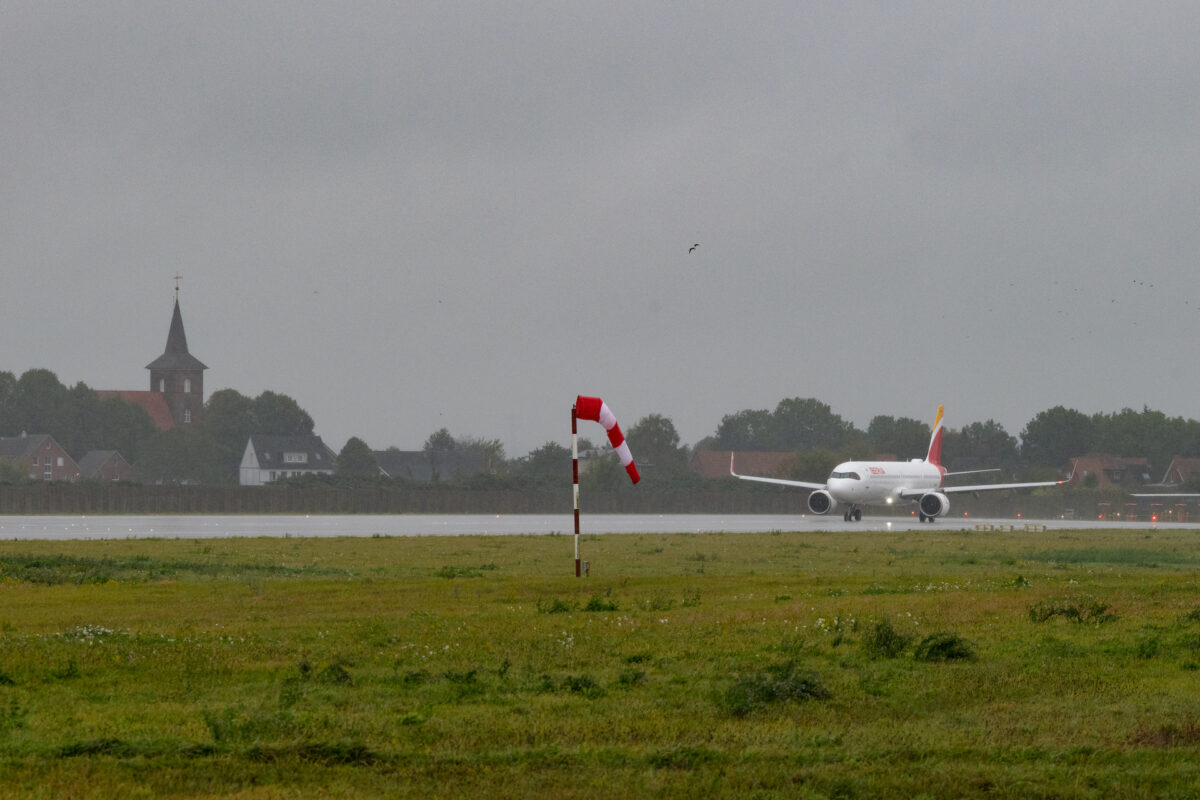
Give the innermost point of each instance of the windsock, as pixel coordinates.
(596, 410)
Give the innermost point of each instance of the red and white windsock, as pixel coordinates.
(596, 410)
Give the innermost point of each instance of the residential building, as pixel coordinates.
(272, 458)
(1181, 471)
(424, 466)
(1110, 471)
(104, 465)
(40, 455)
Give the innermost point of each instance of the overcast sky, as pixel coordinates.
(410, 215)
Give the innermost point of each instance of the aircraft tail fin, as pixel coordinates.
(934, 456)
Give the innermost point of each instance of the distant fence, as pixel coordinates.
(66, 498)
(116, 498)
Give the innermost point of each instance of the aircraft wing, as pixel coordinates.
(908, 494)
(779, 481)
(1166, 494)
(970, 472)
(991, 487)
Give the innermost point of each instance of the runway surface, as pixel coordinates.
(203, 526)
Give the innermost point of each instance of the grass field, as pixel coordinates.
(935, 663)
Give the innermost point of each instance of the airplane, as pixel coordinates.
(882, 483)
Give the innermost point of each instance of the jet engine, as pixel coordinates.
(821, 502)
(934, 504)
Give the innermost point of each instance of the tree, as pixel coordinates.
(654, 443)
(356, 459)
(807, 423)
(1146, 433)
(438, 447)
(488, 454)
(229, 419)
(986, 442)
(124, 427)
(180, 456)
(810, 465)
(8, 410)
(902, 437)
(41, 402)
(1054, 437)
(745, 430)
(549, 463)
(279, 415)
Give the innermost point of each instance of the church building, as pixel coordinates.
(176, 395)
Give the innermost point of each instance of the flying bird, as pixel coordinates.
(693, 247)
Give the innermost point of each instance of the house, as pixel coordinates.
(176, 394)
(1110, 471)
(715, 463)
(41, 457)
(424, 466)
(1182, 471)
(104, 465)
(271, 458)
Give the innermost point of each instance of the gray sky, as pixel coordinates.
(414, 215)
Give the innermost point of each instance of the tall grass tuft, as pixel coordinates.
(1082, 608)
(944, 647)
(780, 683)
(884, 641)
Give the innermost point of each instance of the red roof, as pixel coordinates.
(153, 403)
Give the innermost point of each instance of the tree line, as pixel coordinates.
(80, 421)
(809, 430)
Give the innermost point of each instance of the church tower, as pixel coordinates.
(178, 375)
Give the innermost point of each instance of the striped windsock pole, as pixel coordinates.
(575, 478)
(596, 410)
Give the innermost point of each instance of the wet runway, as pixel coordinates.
(204, 526)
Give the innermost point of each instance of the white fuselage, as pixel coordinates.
(868, 483)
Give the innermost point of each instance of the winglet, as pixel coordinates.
(731, 472)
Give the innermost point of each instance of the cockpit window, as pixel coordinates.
(854, 476)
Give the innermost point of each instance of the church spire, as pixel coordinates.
(176, 356)
(177, 374)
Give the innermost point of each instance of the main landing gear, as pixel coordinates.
(926, 518)
(853, 514)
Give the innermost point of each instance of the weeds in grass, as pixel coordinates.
(12, 717)
(457, 572)
(631, 677)
(597, 603)
(944, 647)
(584, 685)
(1183, 734)
(556, 606)
(684, 758)
(68, 671)
(1082, 608)
(882, 640)
(778, 684)
(335, 675)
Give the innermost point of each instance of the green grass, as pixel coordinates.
(933, 663)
